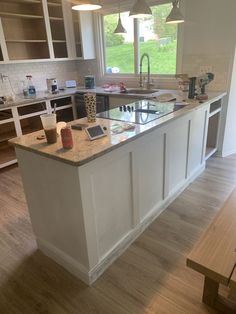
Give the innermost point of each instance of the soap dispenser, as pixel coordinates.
(31, 87)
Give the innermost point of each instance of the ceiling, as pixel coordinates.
(111, 6)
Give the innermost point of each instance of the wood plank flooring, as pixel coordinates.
(151, 277)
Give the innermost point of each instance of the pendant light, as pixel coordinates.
(120, 28)
(86, 5)
(140, 9)
(175, 15)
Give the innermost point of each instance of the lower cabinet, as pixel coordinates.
(25, 119)
(64, 109)
(7, 131)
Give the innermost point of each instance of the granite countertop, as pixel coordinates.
(44, 95)
(85, 150)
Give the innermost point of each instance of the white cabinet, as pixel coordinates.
(7, 131)
(44, 30)
(25, 118)
(197, 140)
(176, 155)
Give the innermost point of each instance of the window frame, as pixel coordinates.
(163, 79)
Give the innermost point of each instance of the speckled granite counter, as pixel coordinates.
(42, 96)
(85, 150)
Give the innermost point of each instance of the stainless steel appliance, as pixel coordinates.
(141, 112)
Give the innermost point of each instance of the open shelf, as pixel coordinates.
(7, 153)
(22, 1)
(26, 41)
(20, 16)
(27, 50)
(60, 49)
(55, 18)
(57, 29)
(1, 55)
(77, 32)
(31, 124)
(24, 29)
(212, 135)
(54, 4)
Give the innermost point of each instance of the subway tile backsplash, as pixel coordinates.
(220, 63)
(62, 70)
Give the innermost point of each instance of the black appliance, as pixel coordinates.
(141, 112)
(102, 104)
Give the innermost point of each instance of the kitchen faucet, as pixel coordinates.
(141, 71)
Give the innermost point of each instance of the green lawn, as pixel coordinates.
(163, 59)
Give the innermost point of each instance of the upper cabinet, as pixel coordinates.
(41, 29)
(23, 30)
(57, 28)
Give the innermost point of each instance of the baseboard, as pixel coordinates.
(227, 153)
(66, 261)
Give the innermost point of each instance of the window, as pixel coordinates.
(155, 37)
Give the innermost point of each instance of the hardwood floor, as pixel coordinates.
(150, 277)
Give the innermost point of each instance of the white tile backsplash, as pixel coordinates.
(62, 70)
(220, 67)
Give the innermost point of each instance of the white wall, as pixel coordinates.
(229, 143)
(209, 40)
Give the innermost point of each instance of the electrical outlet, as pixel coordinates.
(205, 69)
(3, 77)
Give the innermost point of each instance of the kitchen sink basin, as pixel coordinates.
(141, 91)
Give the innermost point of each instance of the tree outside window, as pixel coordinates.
(156, 38)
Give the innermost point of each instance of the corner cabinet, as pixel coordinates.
(44, 30)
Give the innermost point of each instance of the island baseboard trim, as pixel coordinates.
(64, 260)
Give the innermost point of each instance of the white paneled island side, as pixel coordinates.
(88, 204)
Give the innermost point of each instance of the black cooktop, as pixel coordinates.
(141, 112)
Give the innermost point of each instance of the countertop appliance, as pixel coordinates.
(52, 85)
(141, 112)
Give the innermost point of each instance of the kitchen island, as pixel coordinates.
(88, 204)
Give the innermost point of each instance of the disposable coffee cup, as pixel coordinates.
(49, 122)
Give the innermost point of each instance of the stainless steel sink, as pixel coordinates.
(141, 91)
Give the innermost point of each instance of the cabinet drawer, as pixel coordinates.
(61, 102)
(29, 109)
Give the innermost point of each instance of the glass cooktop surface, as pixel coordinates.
(141, 112)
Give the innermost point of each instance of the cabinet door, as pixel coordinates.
(197, 133)
(7, 131)
(176, 155)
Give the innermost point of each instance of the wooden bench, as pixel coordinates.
(215, 257)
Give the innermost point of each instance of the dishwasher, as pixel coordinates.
(102, 104)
